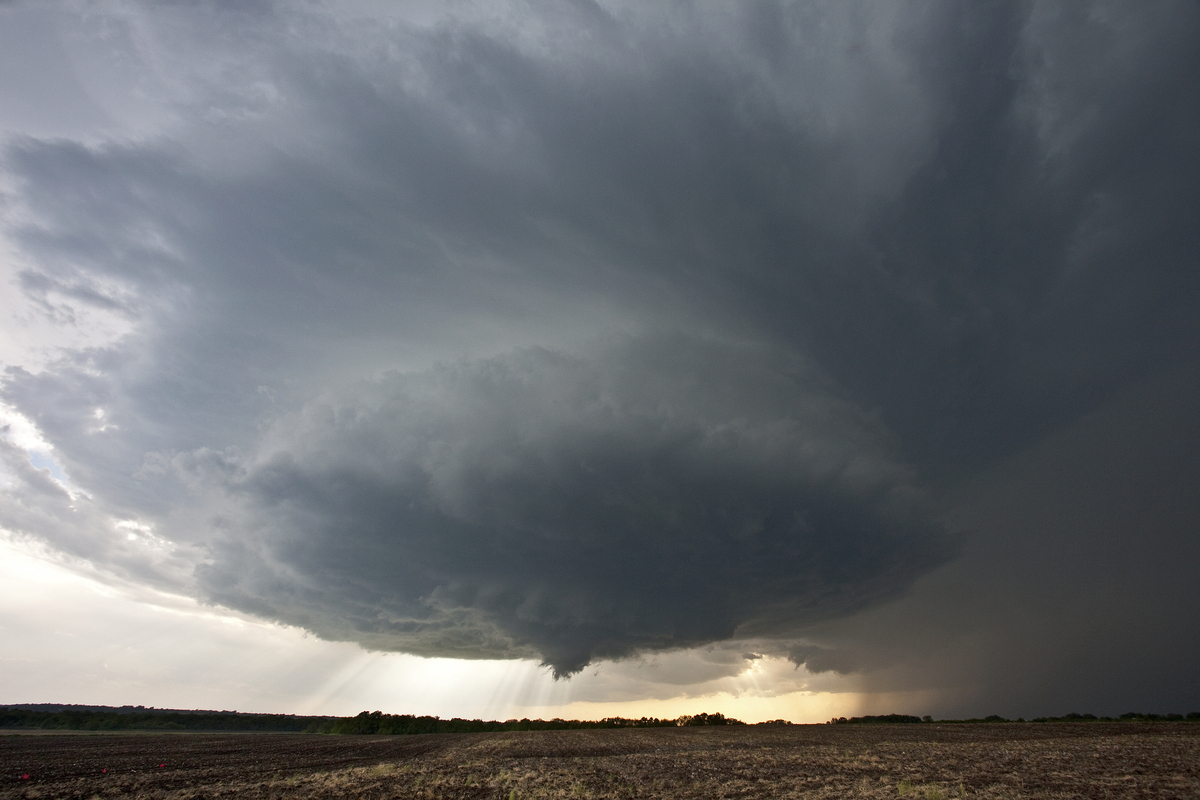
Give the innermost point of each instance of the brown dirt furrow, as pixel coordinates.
(924, 762)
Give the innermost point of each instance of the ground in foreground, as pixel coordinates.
(924, 762)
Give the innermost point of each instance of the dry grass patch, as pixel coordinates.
(921, 762)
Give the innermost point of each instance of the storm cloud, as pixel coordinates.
(659, 494)
(582, 331)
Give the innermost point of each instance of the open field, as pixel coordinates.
(928, 761)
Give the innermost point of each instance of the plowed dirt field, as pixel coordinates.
(926, 762)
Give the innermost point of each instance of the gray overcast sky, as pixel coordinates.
(856, 339)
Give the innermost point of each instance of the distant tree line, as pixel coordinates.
(121, 709)
(707, 719)
(121, 720)
(1132, 716)
(376, 722)
(137, 719)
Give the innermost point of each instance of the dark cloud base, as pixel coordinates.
(661, 493)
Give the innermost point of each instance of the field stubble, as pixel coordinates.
(924, 762)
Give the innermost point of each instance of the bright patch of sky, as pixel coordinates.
(66, 637)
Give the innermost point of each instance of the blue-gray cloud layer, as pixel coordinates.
(785, 269)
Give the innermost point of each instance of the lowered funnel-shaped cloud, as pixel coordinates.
(654, 493)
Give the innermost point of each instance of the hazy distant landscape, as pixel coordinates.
(66, 717)
(930, 761)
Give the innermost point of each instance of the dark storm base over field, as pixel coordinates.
(1129, 760)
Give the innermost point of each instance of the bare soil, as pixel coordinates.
(925, 762)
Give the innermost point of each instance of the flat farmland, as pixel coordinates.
(1013, 760)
